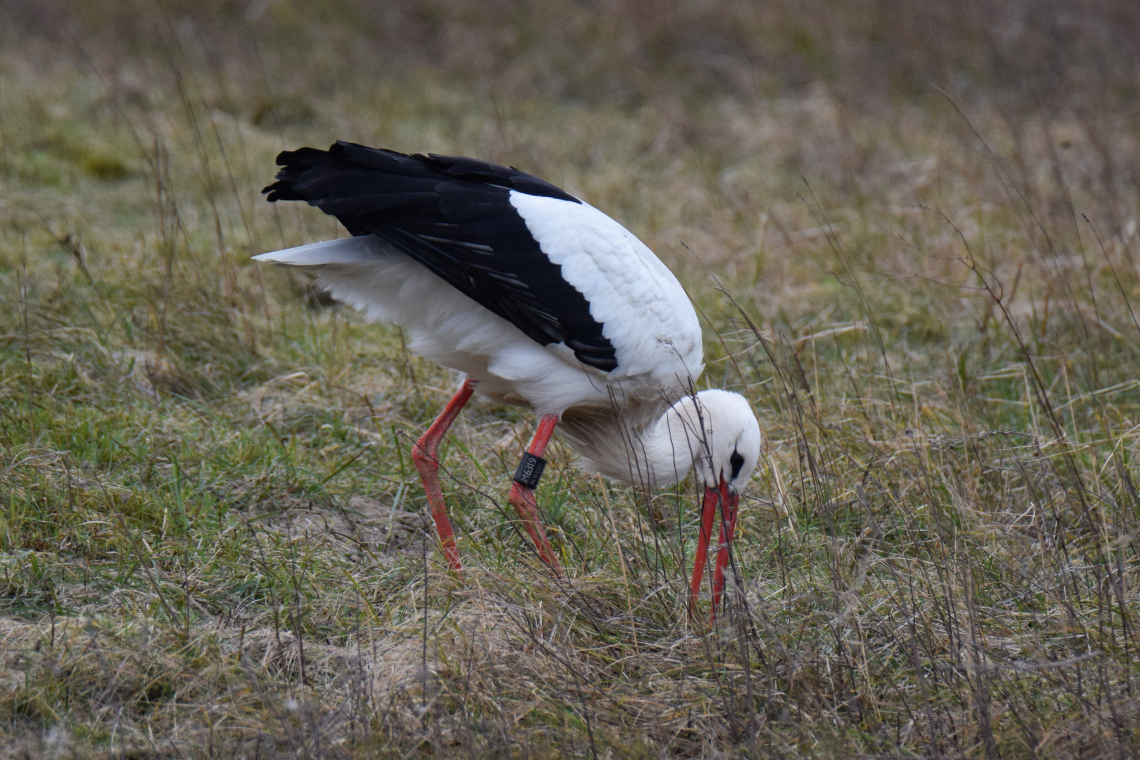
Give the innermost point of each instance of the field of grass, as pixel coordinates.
(910, 229)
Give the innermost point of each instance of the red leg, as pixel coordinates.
(708, 511)
(524, 501)
(730, 503)
(425, 455)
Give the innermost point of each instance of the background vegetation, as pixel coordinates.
(910, 228)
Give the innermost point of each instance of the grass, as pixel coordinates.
(211, 538)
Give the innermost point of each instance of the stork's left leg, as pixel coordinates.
(522, 491)
(425, 455)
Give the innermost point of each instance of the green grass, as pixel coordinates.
(211, 534)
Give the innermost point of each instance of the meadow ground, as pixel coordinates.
(911, 233)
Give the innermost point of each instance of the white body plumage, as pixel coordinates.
(617, 421)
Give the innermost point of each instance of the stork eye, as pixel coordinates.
(737, 462)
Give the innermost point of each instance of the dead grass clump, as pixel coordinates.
(363, 522)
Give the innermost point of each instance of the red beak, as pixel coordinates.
(729, 503)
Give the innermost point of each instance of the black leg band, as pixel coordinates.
(529, 470)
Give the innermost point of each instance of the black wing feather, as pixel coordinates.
(454, 216)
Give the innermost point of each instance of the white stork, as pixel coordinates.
(538, 300)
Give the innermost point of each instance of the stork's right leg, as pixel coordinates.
(425, 455)
(522, 492)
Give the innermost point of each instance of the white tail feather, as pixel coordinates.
(345, 251)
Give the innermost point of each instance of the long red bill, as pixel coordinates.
(729, 503)
(708, 511)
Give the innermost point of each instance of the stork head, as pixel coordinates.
(727, 448)
(727, 438)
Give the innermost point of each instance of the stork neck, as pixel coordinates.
(672, 444)
(653, 452)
